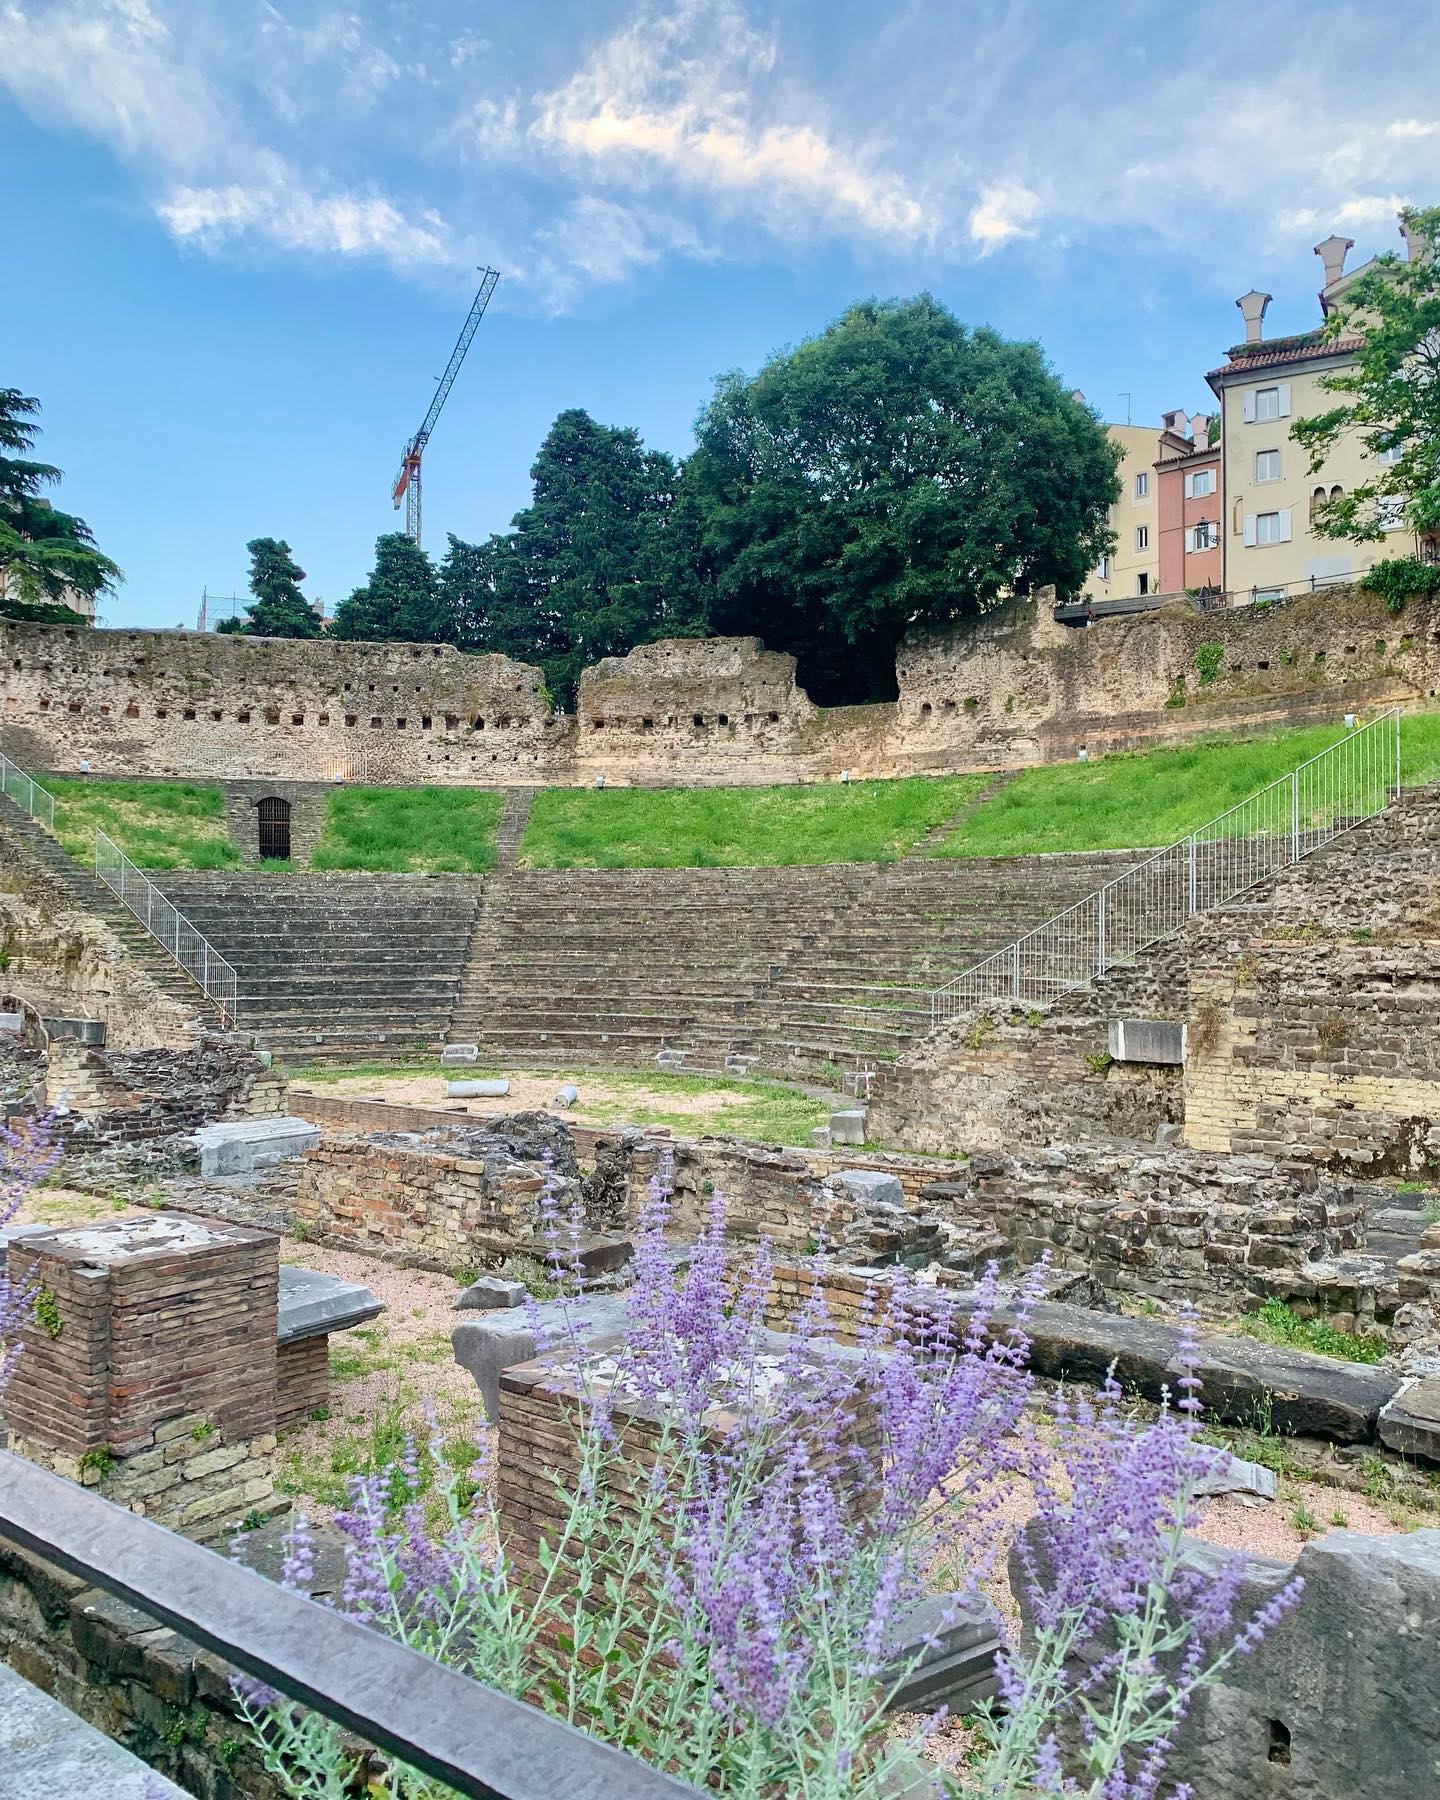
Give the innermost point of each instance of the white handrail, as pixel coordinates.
(27, 793)
(1315, 803)
(169, 927)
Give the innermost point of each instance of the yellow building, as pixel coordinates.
(1270, 495)
(1133, 567)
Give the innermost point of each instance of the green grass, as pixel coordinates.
(409, 830)
(1154, 797)
(688, 828)
(158, 824)
(757, 1108)
(1276, 1324)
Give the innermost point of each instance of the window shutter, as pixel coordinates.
(1189, 487)
(1284, 524)
(1249, 528)
(1249, 406)
(1189, 540)
(1284, 399)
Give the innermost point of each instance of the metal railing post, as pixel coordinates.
(1015, 968)
(1193, 879)
(1100, 932)
(1294, 815)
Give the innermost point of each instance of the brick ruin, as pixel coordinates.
(1015, 688)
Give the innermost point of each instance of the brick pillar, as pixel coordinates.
(148, 1370)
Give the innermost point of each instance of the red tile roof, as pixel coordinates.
(1280, 351)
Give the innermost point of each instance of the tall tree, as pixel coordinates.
(279, 609)
(1391, 392)
(401, 602)
(899, 469)
(596, 564)
(46, 556)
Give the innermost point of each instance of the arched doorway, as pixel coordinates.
(274, 829)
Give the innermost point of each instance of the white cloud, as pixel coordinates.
(1410, 129)
(1005, 210)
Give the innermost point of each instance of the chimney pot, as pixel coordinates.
(1332, 254)
(1253, 307)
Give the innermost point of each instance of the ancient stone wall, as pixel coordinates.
(130, 1096)
(1015, 689)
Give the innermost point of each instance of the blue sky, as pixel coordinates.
(242, 233)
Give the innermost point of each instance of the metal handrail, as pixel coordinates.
(1276, 826)
(27, 793)
(200, 960)
(480, 1742)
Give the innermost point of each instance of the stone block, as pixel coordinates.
(947, 1643)
(820, 1137)
(848, 1126)
(486, 1347)
(12, 1022)
(1147, 1041)
(492, 1089)
(1411, 1422)
(313, 1304)
(566, 1096)
(1236, 1476)
(670, 1059)
(491, 1294)
(869, 1187)
(47, 1749)
(239, 1146)
(83, 1031)
(452, 1056)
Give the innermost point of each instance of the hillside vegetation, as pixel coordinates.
(158, 824)
(1150, 798)
(409, 830)
(697, 828)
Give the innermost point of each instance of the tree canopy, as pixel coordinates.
(1391, 392)
(593, 566)
(279, 609)
(46, 556)
(400, 603)
(898, 469)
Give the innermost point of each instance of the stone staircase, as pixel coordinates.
(804, 971)
(514, 817)
(92, 896)
(338, 965)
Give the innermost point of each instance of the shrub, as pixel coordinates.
(1208, 658)
(726, 1615)
(1402, 578)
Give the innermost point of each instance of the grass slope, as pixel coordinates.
(1154, 797)
(158, 824)
(409, 830)
(687, 828)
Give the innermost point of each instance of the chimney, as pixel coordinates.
(1200, 428)
(1174, 420)
(1418, 247)
(1253, 307)
(1332, 254)
(1077, 396)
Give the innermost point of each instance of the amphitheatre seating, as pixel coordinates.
(338, 963)
(801, 969)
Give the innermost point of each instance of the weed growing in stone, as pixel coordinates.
(726, 1605)
(1275, 1323)
(26, 1159)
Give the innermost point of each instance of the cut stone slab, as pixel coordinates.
(948, 1644)
(566, 1097)
(1146, 1041)
(491, 1294)
(493, 1089)
(848, 1126)
(669, 1059)
(870, 1187)
(1411, 1422)
(12, 1022)
(487, 1346)
(452, 1055)
(820, 1137)
(1236, 1476)
(236, 1146)
(312, 1304)
(87, 1031)
(47, 1749)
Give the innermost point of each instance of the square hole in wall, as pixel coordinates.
(189, 713)
(350, 719)
(297, 718)
(324, 719)
(242, 718)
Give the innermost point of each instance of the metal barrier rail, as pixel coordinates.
(168, 926)
(481, 1743)
(1343, 786)
(27, 793)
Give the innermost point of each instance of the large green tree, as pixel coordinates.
(1390, 393)
(601, 560)
(401, 602)
(279, 609)
(899, 469)
(46, 556)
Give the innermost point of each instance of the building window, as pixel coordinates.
(1267, 404)
(1142, 484)
(1199, 483)
(1392, 455)
(1102, 568)
(1267, 465)
(1267, 528)
(1142, 583)
(1203, 536)
(1142, 537)
(1267, 594)
(1390, 509)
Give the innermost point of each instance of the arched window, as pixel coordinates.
(1317, 500)
(274, 828)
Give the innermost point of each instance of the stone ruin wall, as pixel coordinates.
(1015, 689)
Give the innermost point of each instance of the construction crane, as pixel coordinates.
(407, 482)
